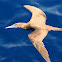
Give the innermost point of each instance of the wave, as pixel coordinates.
(53, 9)
(2, 58)
(10, 45)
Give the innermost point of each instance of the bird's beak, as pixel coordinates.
(12, 26)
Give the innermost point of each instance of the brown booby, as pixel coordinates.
(37, 23)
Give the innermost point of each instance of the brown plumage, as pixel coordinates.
(38, 25)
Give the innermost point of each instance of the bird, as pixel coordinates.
(38, 25)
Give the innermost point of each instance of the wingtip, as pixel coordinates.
(26, 6)
(23, 5)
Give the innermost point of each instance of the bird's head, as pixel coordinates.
(17, 25)
(20, 25)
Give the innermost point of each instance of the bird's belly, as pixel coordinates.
(33, 25)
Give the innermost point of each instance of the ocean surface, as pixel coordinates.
(15, 46)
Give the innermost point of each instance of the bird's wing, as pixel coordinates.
(36, 37)
(38, 16)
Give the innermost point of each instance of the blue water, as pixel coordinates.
(15, 45)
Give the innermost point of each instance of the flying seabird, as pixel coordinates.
(38, 25)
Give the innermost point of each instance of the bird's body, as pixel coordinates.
(38, 25)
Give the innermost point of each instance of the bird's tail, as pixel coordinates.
(53, 28)
(56, 29)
